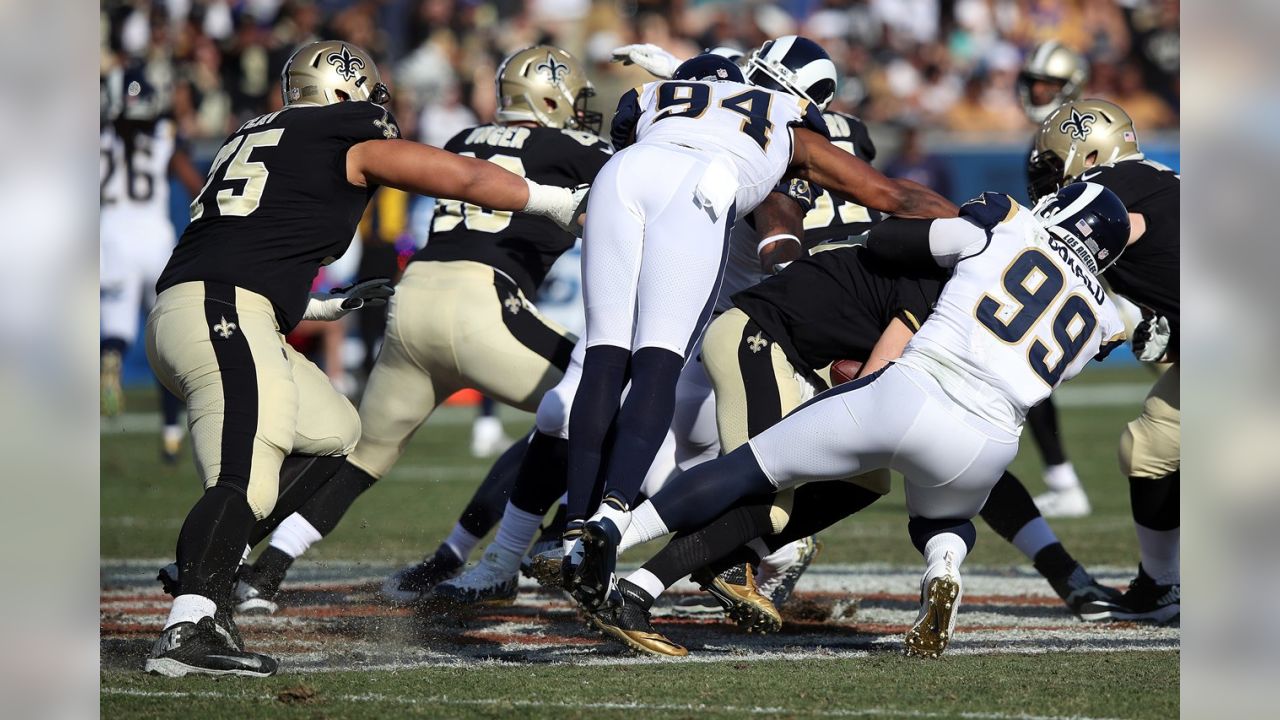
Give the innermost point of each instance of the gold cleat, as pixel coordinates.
(629, 623)
(933, 629)
(736, 591)
(112, 394)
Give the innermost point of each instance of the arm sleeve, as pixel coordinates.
(901, 242)
(622, 130)
(365, 121)
(802, 191)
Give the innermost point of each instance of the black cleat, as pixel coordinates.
(594, 583)
(204, 649)
(629, 623)
(1080, 588)
(257, 584)
(1144, 601)
(412, 584)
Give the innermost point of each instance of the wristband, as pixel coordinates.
(776, 238)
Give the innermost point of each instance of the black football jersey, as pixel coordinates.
(830, 217)
(520, 245)
(277, 204)
(1147, 272)
(833, 305)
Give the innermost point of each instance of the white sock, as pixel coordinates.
(645, 525)
(190, 608)
(501, 558)
(461, 542)
(1034, 537)
(294, 536)
(1061, 477)
(517, 530)
(935, 553)
(621, 519)
(172, 433)
(648, 582)
(1160, 551)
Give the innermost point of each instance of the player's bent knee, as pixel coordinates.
(780, 511)
(552, 417)
(1149, 449)
(261, 495)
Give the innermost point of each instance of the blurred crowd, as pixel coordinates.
(934, 64)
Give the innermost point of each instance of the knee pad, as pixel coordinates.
(780, 512)
(348, 428)
(552, 417)
(1150, 448)
(262, 495)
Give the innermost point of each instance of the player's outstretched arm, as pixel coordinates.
(779, 221)
(815, 159)
(430, 171)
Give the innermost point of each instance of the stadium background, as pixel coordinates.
(935, 80)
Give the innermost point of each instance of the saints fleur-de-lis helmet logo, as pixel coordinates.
(346, 64)
(555, 70)
(1079, 125)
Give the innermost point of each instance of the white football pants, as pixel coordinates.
(652, 255)
(131, 256)
(899, 419)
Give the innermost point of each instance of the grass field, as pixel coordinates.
(1018, 653)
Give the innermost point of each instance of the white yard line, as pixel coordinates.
(446, 701)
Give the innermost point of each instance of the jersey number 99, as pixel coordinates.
(1033, 283)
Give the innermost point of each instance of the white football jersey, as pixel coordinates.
(136, 189)
(750, 127)
(1019, 316)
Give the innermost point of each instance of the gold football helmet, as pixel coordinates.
(331, 71)
(1051, 67)
(546, 85)
(1077, 136)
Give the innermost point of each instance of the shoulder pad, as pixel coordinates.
(989, 210)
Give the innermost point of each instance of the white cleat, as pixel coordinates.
(940, 593)
(1072, 503)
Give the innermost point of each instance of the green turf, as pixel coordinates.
(143, 503)
(882, 685)
(409, 511)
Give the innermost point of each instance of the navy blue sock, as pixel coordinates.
(642, 421)
(595, 407)
(541, 480)
(923, 530)
(696, 497)
(113, 344)
(490, 499)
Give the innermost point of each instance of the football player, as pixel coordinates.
(654, 256)
(462, 318)
(1051, 75)
(1023, 311)
(1095, 141)
(140, 151)
(764, 357)
(282, 198)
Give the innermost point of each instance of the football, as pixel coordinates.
(842, 371)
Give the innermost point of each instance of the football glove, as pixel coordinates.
(561, 205)
(1151, 338)
(338, 302)
(657, 61)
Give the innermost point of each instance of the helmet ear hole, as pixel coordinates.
(342, 96)
(551, 104)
